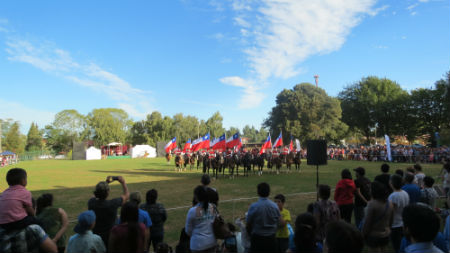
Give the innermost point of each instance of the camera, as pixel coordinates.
(115, 178)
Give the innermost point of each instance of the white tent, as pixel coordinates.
(93, 153)
(143, 151)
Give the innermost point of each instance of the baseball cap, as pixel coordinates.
(85, 221)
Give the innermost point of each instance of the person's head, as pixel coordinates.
(201, 196)
(341, 236)
(86, 221)
(360, 171)
(420, 223)
(44, 201)
(447, 166)
(399, 172)
(305, 230)
(151, 196)
(396, 182)
(16, 176)
(346, 174)
(410, 170)
(417, 167)
(263, 190)
(135, 197)
(129, 212)
(385, 168)
(280, 200)
(379, 191)
(324, 191)
(409, 178)
(206, 180)
(428, 181)
(163, 247)
(101, 190)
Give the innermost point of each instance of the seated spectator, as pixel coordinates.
(343, 195)
(106, 210)
(428, 194)
(54, 220)
(384, 176)
(421, 225)
(158, 214)
(31, 239)
(399, 199)
(282, 234)
(84, 241)
(304, 235)
(419, 175)
(343, 237)
(16, 208)
(412, 189)
(130, 235)
(325, 211)
(376, 227)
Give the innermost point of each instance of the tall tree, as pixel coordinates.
(109, 125)
(214, 125)
(14, 141)
(72, 123)
(34, 138)
(306, 112)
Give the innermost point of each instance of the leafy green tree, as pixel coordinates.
(109, 125)
(231, 131)
(57, 139)
(72, 123)
(214, 125)
(34, 138)
(14, 140)
(306, 112)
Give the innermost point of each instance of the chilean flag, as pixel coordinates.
(218, 143)
(187, 146)
(233, 140)
(200, 143)
(171, 145)
(266, 145)
(278, 141)
(291, 145)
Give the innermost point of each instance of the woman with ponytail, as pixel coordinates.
(54, 220)
(305, 235)
(199, 223)
(129, 235)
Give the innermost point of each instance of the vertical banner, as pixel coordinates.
(388, 147)
(297, 144)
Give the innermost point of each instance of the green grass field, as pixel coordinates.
(72, 184)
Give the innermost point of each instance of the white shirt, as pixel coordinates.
(399, 199)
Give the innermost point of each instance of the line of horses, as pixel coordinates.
(250, 162)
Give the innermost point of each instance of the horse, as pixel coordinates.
(247, 162)
(297, 161)
(259, 161)
(289, 160)
(276, 160)
(168, 156)
(179, 161)
(230, 164)
(206, 164)
(192, 162)
(199, 159)
(186, 161)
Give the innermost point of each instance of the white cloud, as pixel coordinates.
(381, 47)
(50, 59)
(413, 13)
(412, 6)
(252, 96)
(424, 1)
(24, 114)
(284, 33)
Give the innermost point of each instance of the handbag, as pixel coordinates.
(220, 228)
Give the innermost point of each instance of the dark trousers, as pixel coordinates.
(155, 239)
(263, 244)
(282, 245)
(396, 238)
(359, 215)
(346, 212)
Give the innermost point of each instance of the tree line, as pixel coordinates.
(370, 107)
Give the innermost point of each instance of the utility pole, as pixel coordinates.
(316, 77)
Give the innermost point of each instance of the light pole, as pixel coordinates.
(316, 78)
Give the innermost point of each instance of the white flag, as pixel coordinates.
(388, 147)
(297, 144)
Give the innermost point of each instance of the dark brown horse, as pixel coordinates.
(297, 161)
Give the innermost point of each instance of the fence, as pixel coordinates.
(37, 155)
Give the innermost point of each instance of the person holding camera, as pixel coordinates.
(106, 209)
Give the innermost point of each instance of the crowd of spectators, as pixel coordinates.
(394, 210)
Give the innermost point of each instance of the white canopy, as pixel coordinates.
(93, 153)
(143, 151)
(114, 144)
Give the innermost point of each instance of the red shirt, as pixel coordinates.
(344, 193)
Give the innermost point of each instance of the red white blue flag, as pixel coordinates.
(219, 143)
(200, 143)
(278, 142)
(266, 145)
(233, 140)
(187, 146)
(291, 145)
(171, 145)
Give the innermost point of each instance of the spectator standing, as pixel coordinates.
(325, 211)
(199, 223)
(343, 237)
(304, 236)
(213, 195)
(421, 224)
(446, 179)
(376, 227)
(144, 217)
(412, 189)
(32, 239)
(262, 222)
(282, 234)
(384, 176)
(419, 175)
(428, 194)
(84, 241)
(106, 210)
(16, 208)
(362, 194)
(54, 220)
(130, 235)
(343, 195)
(399, 199)
(158, 215)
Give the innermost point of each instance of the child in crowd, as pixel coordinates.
(16, 208)
(282, 234)
(428, 194)
(245, 237)
(84, 241)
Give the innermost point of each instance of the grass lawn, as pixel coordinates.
(72, 184)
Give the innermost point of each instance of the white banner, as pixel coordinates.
(388, 147)
(297, 144)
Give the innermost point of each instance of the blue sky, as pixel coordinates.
(199, 57)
